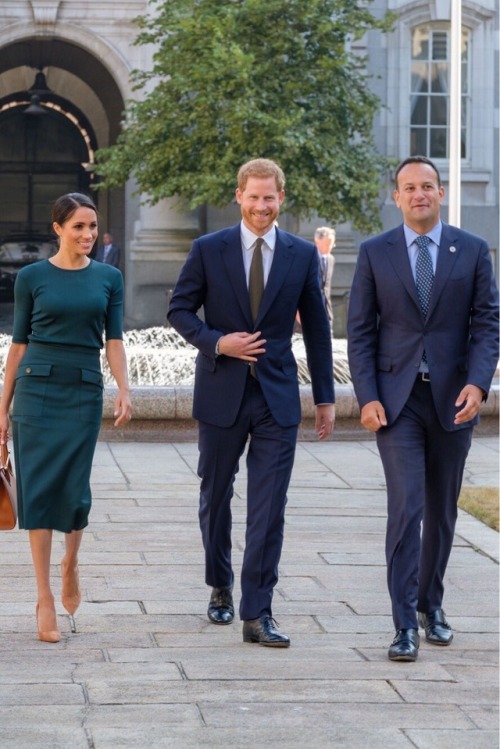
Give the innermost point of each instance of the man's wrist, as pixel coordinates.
(217, 346)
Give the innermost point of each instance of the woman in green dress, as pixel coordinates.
(63, 307)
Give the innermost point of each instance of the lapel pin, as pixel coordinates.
(453, 249)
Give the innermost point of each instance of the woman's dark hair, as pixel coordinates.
(66, 205)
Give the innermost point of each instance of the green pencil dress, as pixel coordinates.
(62, 316)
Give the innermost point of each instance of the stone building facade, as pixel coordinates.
(85, 51)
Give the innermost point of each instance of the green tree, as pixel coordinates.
(236, 79)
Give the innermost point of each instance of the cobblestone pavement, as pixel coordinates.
(145, 668)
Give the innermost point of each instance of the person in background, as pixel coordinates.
(63, 306)
(250, 279)
(423, 347)
(324, 239)
(108, 252)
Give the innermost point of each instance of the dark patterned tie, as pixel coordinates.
(256, 279)
(424, 274)
(424, 278)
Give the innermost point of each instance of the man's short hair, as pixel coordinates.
(325, 231)
(261, 168)
(417, 160)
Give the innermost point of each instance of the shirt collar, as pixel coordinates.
(248, 238)
(434, 234)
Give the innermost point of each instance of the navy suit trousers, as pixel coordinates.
(423, 466)
(270, 457)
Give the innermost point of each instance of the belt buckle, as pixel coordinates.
(425, 377)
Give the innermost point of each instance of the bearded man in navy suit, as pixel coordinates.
(246, 385)
(423, 348)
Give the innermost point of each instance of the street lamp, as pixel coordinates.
(33, 111)
(34, 108)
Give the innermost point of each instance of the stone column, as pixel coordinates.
(161, 238)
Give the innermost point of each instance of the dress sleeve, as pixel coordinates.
(23, 309)
(114, 313)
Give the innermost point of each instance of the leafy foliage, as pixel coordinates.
(239, 79)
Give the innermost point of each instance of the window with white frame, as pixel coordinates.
(430, 91)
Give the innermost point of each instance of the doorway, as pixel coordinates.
(43, 155)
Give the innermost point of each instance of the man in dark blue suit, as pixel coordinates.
(250, 280)
(423, 348)
(108, 252)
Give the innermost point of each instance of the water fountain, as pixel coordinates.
(158, 356)
(161, 373)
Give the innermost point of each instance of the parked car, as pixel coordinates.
(18, 250)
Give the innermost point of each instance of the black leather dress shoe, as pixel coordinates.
(405, 645)
(264, 630)
(221, 608)
(437, 629)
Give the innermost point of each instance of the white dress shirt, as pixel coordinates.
(248, 239)
(434, 235)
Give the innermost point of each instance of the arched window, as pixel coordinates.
(430, 91)
(42, 156)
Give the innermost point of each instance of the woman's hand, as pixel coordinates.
(14, 358)
(4, 428)
(117, 360)
(123, 408)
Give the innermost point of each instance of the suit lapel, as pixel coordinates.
(398, 256)
(232, 257)
(448, 252)
(330, 260)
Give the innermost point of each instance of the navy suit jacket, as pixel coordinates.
(213, 277)
(113, 257)
(387, 333)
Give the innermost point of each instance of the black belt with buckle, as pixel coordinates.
(424, 376)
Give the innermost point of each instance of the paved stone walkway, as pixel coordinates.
(146, 670)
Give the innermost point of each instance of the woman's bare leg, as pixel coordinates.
(71, 595)
(41, 547)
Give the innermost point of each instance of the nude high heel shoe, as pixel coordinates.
(71, 596)
(51, 635)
